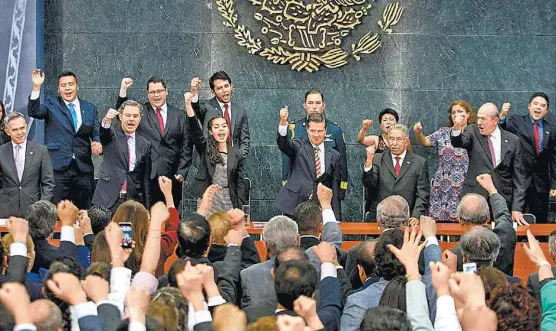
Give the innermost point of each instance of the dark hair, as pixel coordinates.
(314, 91)
(385, 319)
(492, 278)
(100, 250)
(468, 109)
(218, 75)
(156, 79)
(388, 111)
(364, 257)
(42, 217)
(170, 307)
(193, 236)
(67, 73)
(316, 118)
(308, 216)
(100, 217)
(516, 308)
(175, 269)
(3, 116)
(212, 146)
(298, 255)
(99, 268)
(387, 265)
(393, 295)
(294, 279)
(542, 95)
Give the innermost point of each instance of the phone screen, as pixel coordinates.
(126, 229)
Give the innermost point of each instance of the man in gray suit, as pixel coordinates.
(26, 174)
(398, 172)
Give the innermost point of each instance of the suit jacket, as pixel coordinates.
(91, 323)
(46, 253)
(508, 176)
(303, 181)
(412, 183)
(115, 169)
(60, 137)
(111, 316)
(503, 227)
(17, 270)
(203, 178)
(171, 153)
(534, 286)
(257, 284)
(205, 110)
(538, 166)
(358, 303)
(249, 253)
(37, 181)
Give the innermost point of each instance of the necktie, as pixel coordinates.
(71, 107)
(160, 120)
(124, 187)
(317, 161)
(19, 161)
(491, 148)
(397, 165)
(228, 120)
(537, 136)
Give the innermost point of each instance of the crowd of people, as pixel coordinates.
(203, 271)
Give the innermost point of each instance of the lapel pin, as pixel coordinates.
(547, 132)
(505, 141)
(31, 153)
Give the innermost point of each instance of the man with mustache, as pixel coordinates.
(496, 152)
(538, 155)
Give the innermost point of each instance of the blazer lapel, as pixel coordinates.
(170, 119)
(151, 114)
(546, 134)
(504, 146)
(234, 119)
(231, 164)
(483, 140)
(11, 161)
(529, 128)
(29, 154)
(406, 164)
(122, 144)
(327, 159)
(311, 156)
(387, 159)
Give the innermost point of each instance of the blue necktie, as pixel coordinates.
(73, 116)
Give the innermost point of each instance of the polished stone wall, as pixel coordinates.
(496, 50)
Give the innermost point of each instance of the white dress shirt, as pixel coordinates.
(77, 107)
(132, 156)
(163, 112)
(321, 156)
(23, 149)
(496, 138)
(401, 156)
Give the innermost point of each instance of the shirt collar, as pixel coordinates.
(533, 120)
(401, 156)
(320, 147)
(163, 108)
(75, 103)
(132, 135)
(221, 104)
(23, 144)
(496, 133)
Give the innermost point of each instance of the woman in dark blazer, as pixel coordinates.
(4, 138)
(220, 162)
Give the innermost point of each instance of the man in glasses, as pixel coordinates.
(398, 171)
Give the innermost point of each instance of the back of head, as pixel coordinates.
(46, 315)
(42, 217)
(294, 279)
(481, 246)
(385, 319)
(169, 307)
(364, 256)
(219, 227)
(392, 212)
(473, 210)
(100, 217)
(99, 268)
(193, 236)
(175, 269)
(135, 213)
(393, 295)
(387, 265)
(492, 278)
(68, 265)
(308, 216)
(101, 251)
(291, 253)
(516, 308)
(266, 323)
(279, 233)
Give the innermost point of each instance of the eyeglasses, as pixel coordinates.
(394, 139)
(156, 92)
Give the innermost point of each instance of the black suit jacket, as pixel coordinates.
(534, 286)
(203, 178)
(303, 181)
(205, 110)
(171, 153)
(412, 183)
(508, 176)
(538, 166)
(249, 253)
(115, 169)
(46, 253)
(111, 316)
(17, 270)
(37, 181)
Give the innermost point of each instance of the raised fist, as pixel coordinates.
(370, 151)
(418, 127)
(366, 124)
(195, 84)
(110, 115)
(188, 96)
(126, 83)
(38, 77)
(505, 109)
(284, 115)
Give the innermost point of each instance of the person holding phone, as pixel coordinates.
(220, 162)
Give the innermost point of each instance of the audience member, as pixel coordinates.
(393, 295)
(169, 308)
(100, 217)
(492, 279)
(515, 308)
(385, 319)
(533, 284)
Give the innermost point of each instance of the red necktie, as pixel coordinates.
(124, 187)
(397, 166)
(160, 120)
(317, 161)
(228, 121)
(491, 148)
(537, 136)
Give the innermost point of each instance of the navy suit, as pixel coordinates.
(70, 151)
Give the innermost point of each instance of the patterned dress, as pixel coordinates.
(221, 200)
(447, 182)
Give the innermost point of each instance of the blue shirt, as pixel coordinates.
(541, 130)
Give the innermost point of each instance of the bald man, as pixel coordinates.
(46, 315)
(496, 152)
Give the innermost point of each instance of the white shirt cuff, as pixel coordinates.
(105, 125)
(202, 317)
(25, 327)
(283, 130)
(18, 249)
(195, 99)
(136, 326)
(85, 309)
(119, 277)
(35, 95)
(328, 269)
(103, 302)
(67, 234)
(233, 245)
(216, 301)
(365, 169)
(328, 216)
(432, 240)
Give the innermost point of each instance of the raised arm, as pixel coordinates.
(34, 108)
(106, 126)
(285, 144)
(366, 140)
(200, 112)
(195, 130)
(421, 138)
(124, 85)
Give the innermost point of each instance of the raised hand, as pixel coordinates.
(18, 228)
(505, 109)
(408, 255)
(234, 237)
(38, 78)
(126, 83)
(96, 148)
(370, 151)
(195, 85)
(137, 302)
(206, 201)
(159, 213)
(284, 116)
(67, 213)
(326, 252)
(228, 317)
(485, 180)
(110, 115)
(96, 288)
(67, 287)
(418, 127)
(324, 195)
(428, 226)
(15, 298)
(165, 185)
(366, 124)
(307, 308)
(188, 97)
(459, 122)
(440, 277)
(450, 260)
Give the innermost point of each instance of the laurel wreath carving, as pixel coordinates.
(366, 45)
(390, 16)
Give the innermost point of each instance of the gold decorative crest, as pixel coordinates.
(307, 36)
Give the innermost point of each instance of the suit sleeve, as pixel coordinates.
(249, 253)
(422, 196)
(504, 229)
(552, 163)
(286, 146)
(106, 134)
(228, 278)
(17, 269)
(147, 177)
(244, 137)
(186, 152)
(199, 109)
(370, 178)
(37, 110)
(341, 147)
(120, 101)
(111, 316)
(345, 285)
(463, 140)
(196, 134)
(521, 179)
(285, 159)
(47, 176)
(96, 125)
(329, 307)
(91, 323)
(240, 183)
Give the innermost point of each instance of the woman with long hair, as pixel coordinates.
(386, 118)
(448, 181)
(221, 163)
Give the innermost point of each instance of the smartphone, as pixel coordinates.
(126, 229)
(247, 211)
(470, 268)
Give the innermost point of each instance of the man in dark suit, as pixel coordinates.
(71, 135)
(165, 127)
(25, 170)
(537, 154)
(533, 284)
(126, 170)
(398, 171)
(495, 151)
(312, 162)
(221, 105)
